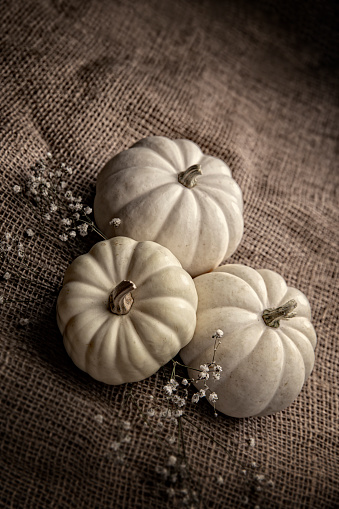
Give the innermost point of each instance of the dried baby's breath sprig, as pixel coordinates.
(47, 188)
(205, 371)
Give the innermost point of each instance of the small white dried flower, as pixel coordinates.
(171, 492)
(63, 237)
(216, 375)
(114, 445)
(99, 418)
(213, 397)
(219, 333)
(178, 413)
(69, 171)
(126, 425)
(30, 232)
(1, 299)
(49, 155)
(251, 442)
(204, 367)
(47, 216)
(203, 375)
(195, 398)
(78, 206)
(173, 383)
(161, 470)
(63, 184)
(259, 477)
(220, 480)
(66, 221)
(151, 412)
(16, 189)
(72, 233)
(83, 229)
(21, 253)
(53, 207)
(202, 393)
(88, 210)
(69, 196)
(6, 276)
(168, 389)
(184, 381)
(116, 221)
(172, 460)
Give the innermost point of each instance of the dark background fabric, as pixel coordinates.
(254, 83)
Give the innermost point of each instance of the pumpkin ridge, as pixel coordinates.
(156, 272)
(107, 324)
(168, 215)
(168, 297)
(198, 217)
(295, 348)
(156, 149)
(114, 175)
(141, 196)
(127, 268)
(245, 281)
(270, 277)
(283, 333)
(249, 286)
(291, 325)
(98, 256)
(216, 205)
(182, 146)
(234, 238)
(147, 347)
(215, 188)
(252, 289)
(251, 351)
(157, 353)
(205, 310)
(261, 412)
(105, 262)
(71, 345)
(208, 160)
(129, 351)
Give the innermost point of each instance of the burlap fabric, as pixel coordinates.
(255, 84)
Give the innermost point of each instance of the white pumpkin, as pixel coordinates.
(125, 309)
(170, 192)
(267, 350)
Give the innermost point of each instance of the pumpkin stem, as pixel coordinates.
(272, 316)
(120, 299)
(188, 178)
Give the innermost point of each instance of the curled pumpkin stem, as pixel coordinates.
(120, 299)
(272, 316)
(188, 178)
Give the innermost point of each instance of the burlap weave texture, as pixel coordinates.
(255, 84)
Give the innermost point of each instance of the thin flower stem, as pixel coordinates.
(184, 366)
(204, 432)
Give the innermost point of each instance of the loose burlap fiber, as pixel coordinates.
(254, 83)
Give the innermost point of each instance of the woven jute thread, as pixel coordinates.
(85, 80)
